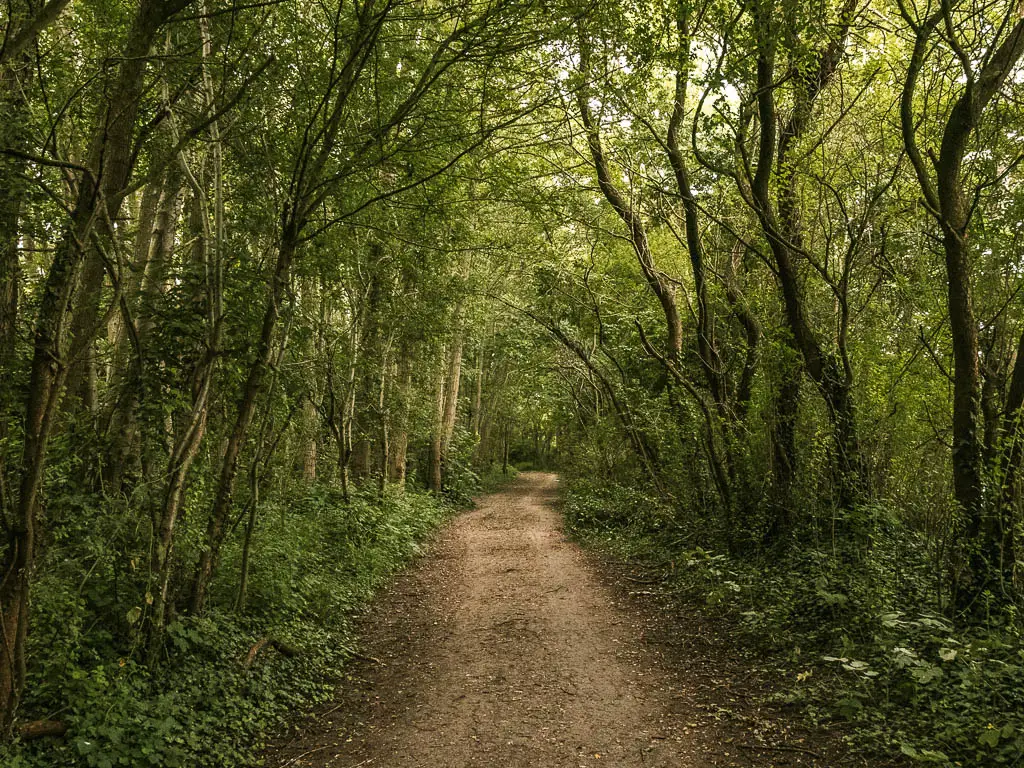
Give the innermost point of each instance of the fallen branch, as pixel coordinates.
(284, 649)
(356, 655)
(38, 729)
(305, 754)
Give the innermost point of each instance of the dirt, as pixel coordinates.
(509, 646)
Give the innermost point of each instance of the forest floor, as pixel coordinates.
(508, 645)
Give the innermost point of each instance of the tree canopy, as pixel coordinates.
(757, 261)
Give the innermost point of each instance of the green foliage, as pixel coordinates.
(843, 616)
(461, 481)
(493, 477)
(315, 560)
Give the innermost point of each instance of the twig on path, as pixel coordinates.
(335, 708)
(781, 748)
(296, 759)
(341, 741)
(365, 762)
(357, 655)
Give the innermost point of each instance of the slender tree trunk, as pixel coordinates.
(779, 217)
(478, 390)
(12, 192)
(783, 444)
(111, 159)
(968, 450)
(310, 450)
(660, 287)
(400, 424)
(434, 476)
(707, 350)
(250, 528)
(185, 448)
(384, 436)
(156, 251)
(347, 445)
(451, 401)
(943, 188)
(751, 330)
(207, 255)
(216, 528)
(504, 449)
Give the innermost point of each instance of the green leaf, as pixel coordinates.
(990, 737)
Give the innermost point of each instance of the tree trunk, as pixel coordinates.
(12, 192)
(660, 287)
(250, 528)
(110, 160)
(451, 401)
(942, 186)
(434, 476)
(504, 448)
(707, 350)
(478, 391)
(779, 217)
(384, 436)
(216, 528)
(400, 424)
(310, 449)
(154, 255)
(207, 255)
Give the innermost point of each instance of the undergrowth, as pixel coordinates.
(851, 619)
(315, 559)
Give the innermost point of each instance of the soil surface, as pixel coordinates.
(508, 646)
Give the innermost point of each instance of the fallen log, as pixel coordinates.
(283, 648)
(38, 729)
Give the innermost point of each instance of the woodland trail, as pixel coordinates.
(504, 647)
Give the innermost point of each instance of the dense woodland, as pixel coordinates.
(280, 281)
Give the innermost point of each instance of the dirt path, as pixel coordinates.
(505, 648)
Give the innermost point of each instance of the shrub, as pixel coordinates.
(314, 560)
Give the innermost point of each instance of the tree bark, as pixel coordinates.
(154, 255)
(451, 401)
(207, 256)
(434, 470)
(400, 423)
